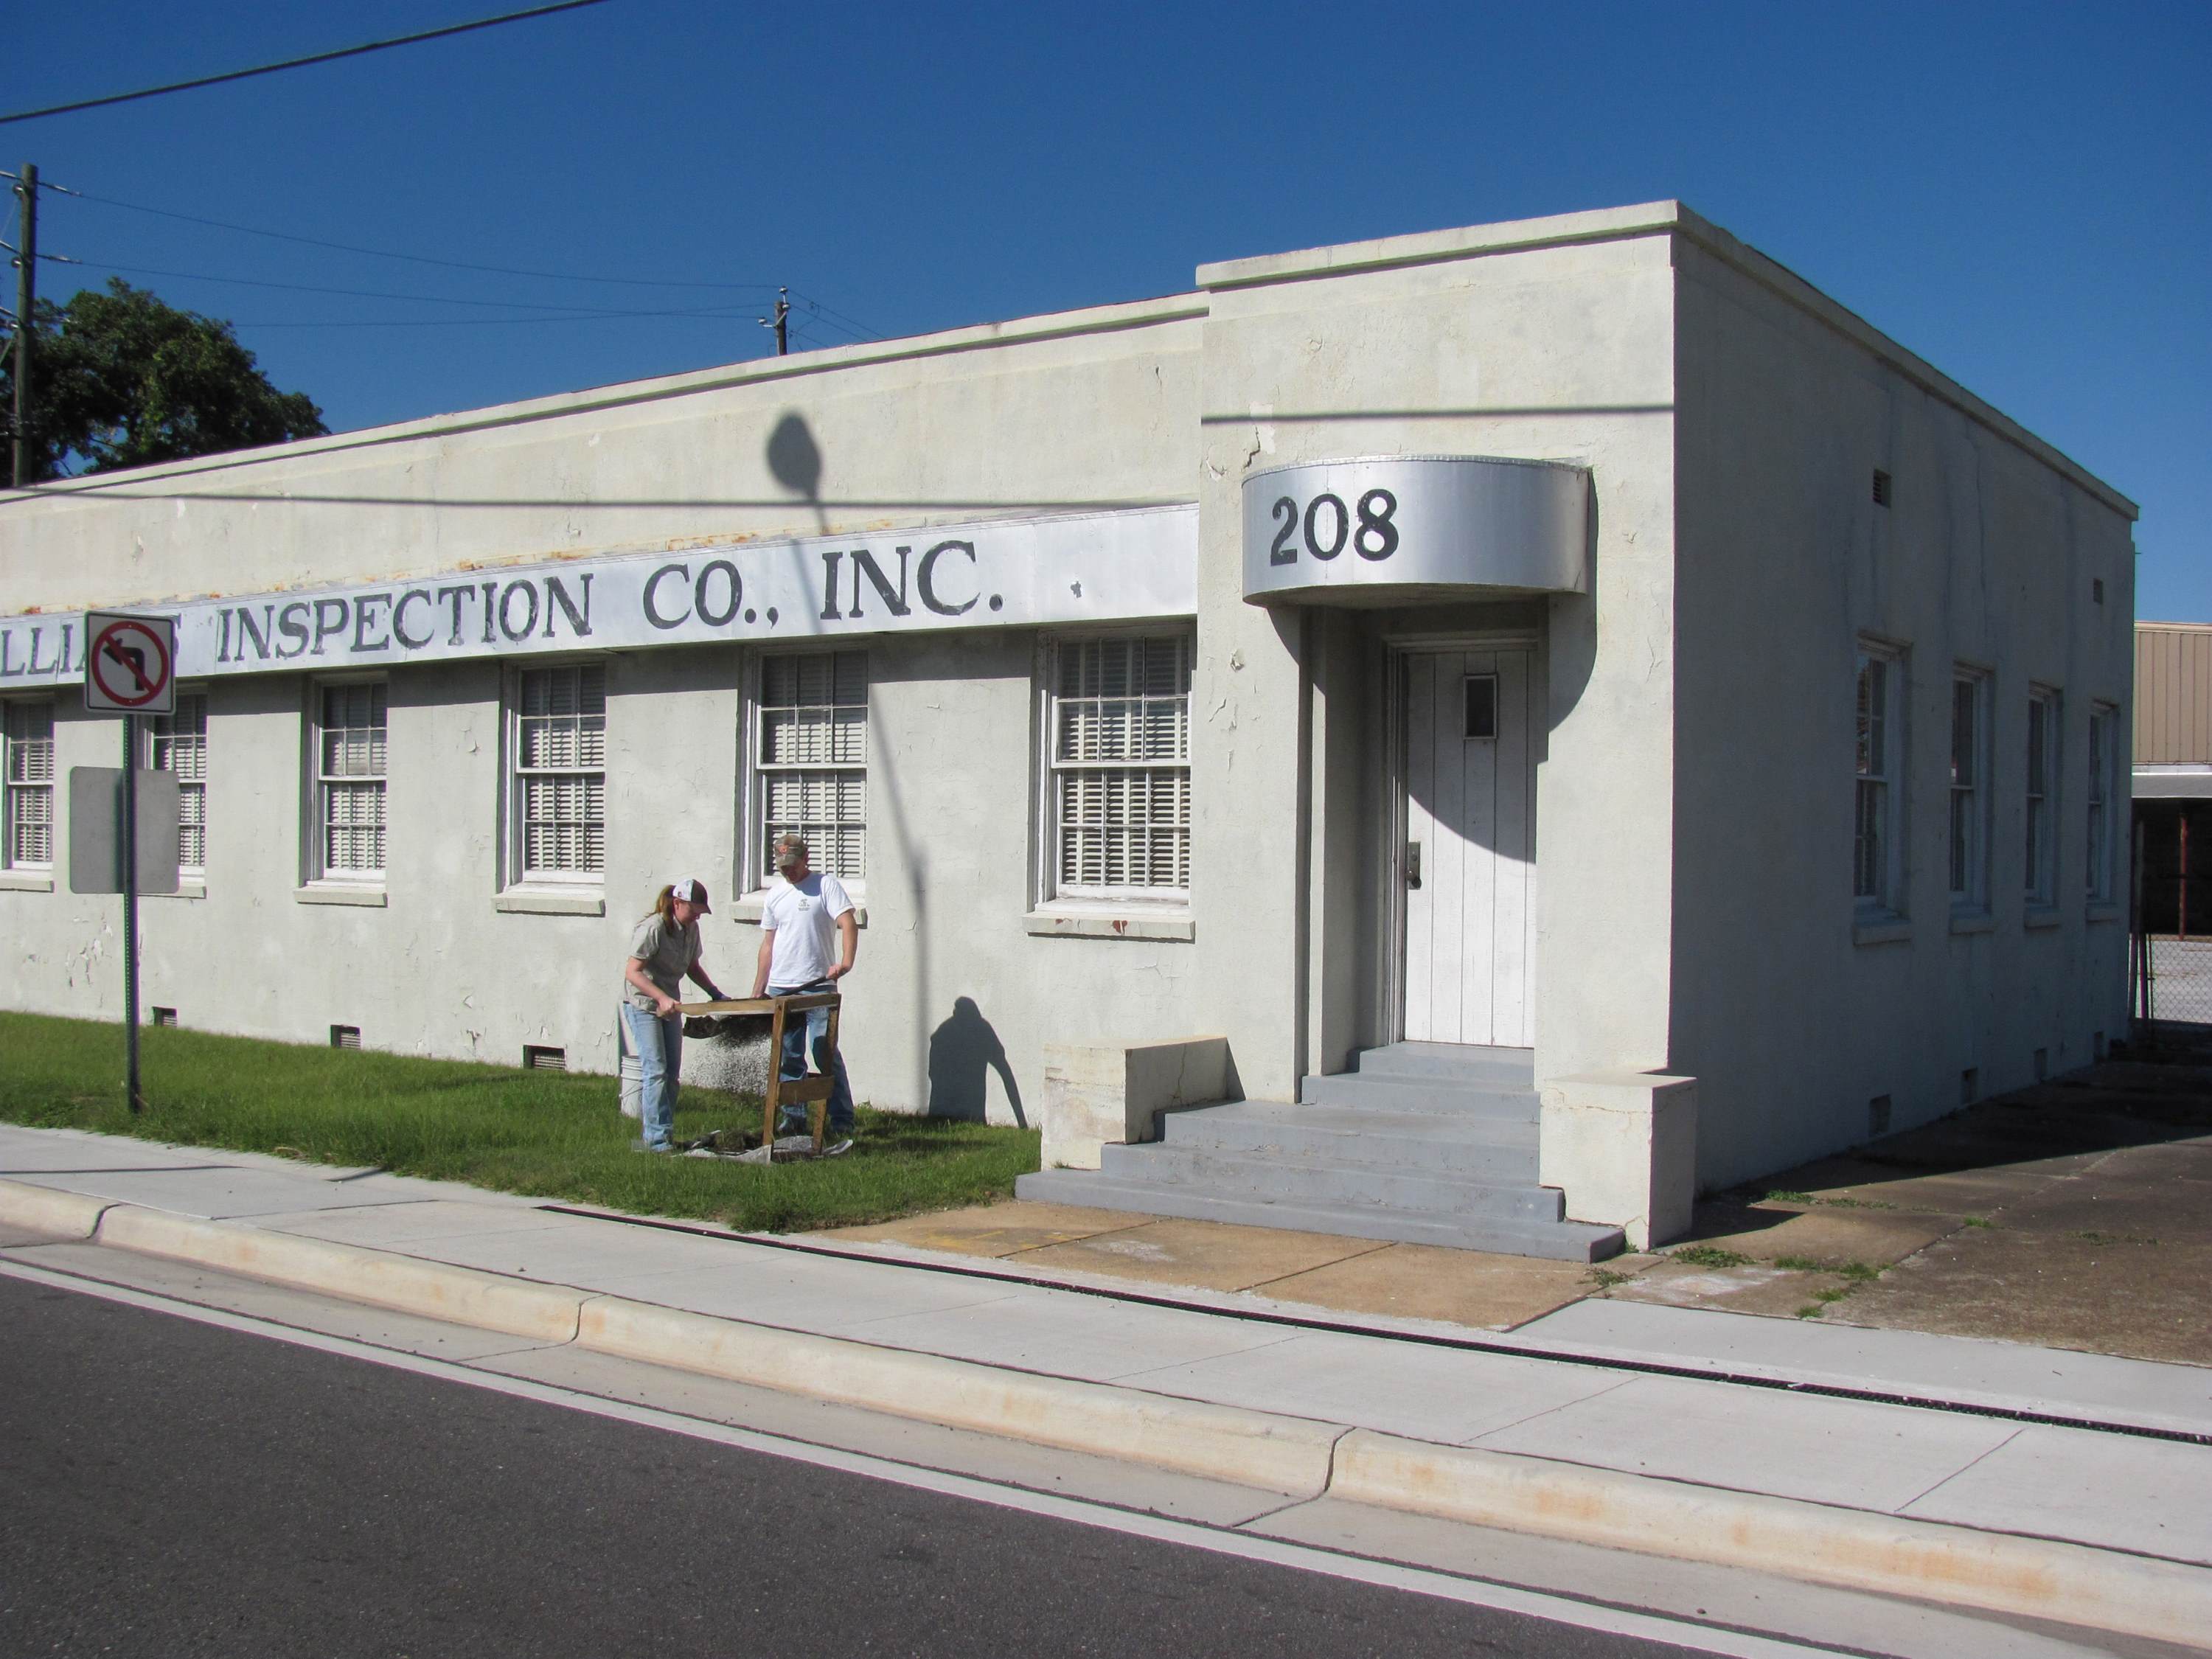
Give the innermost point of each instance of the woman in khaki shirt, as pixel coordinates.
(663, 949)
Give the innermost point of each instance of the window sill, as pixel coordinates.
(188, 887)
(2102, 910)
(1108, 922)
(549, 902)
(747, 907)
(23, 881)
(2042, 915)
(333, 893)
(1881, 930)
(1972, 921)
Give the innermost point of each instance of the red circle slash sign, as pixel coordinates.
(129, 663)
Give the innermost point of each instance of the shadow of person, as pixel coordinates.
(960, 1052)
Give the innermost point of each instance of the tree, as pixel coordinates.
(120, 379)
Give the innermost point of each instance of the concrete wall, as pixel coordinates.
(1530, 341)
(1087, 410)
(1791, 1019)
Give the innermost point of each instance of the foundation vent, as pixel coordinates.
(1970, 1085)
(2042, 1064)
(165, 1017)
(535, 1059)
(2098, 1051)
(1877, 1117)
(2096, 590)
(345, 1037)
(1881, 487)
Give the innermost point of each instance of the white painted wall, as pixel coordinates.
(1985, 555)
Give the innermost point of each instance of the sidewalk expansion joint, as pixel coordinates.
(1423, 1338)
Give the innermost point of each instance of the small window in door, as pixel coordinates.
(1482, 706)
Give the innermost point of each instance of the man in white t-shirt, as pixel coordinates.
(809, 937)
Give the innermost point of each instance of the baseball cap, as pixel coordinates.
(691, 890)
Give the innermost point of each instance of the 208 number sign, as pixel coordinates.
(1329, 524)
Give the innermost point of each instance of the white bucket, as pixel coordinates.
(632, 1073)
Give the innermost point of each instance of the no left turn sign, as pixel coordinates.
(130, 664)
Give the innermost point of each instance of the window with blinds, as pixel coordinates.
(179, 741)
(350, 762)
(30, 778)
(812, 760)
(1120, 760)
(560, 772)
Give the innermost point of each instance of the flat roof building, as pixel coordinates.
(1550, 716)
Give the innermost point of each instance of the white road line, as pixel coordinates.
(1504, 1598)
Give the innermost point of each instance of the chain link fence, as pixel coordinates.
(2170, 958)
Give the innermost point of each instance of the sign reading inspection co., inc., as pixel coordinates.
(1106, 567)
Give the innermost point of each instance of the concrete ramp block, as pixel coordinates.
(1623, 1147)
(1096, 1095)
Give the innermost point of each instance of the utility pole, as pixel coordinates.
(781, 323)
(27, 298)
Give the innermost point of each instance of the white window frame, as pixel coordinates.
(2039, 790)
(324, 782)
(516, 777)
(2104, 777)
(165, 745)
(1966, 830)
(755, 831)
(1879, 771)
(1054, 773)
(27, 777)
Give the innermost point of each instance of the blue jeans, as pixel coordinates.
(811, 1029)
(658, 1043)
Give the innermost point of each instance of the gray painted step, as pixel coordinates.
(1334, 1185)
(1494, 1149)
(1558, 1241)
(1514, 1068)
(1444, 1097)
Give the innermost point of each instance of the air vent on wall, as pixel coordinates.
(1878, 1116)
(2096, 590)
(345, 1037)
(1970, 1085)
(536, 1059)
(165, 1016)
(2042, 1064)
(1881, 487)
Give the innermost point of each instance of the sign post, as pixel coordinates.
(130, 669)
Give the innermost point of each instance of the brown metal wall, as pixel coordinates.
(2173, 694)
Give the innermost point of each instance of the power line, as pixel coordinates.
(299, 63)
(351, 293)
(414, 259)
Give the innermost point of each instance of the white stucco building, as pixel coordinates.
(1576, 644)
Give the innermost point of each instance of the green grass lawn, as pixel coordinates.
(544, 1134)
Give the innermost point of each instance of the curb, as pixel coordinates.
(2070, 1584)
(44, 1209)
(1287, 1455)
(1855, 1549)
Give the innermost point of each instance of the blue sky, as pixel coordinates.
(2021, 193)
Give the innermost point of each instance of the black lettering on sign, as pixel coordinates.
(529, 591)
(331, 618)
(8, 654)
(365, 617)
(57, 664)
(456, 595)
(399, 619)
(292, 624)
(925, 580)
(1280, 551)
(1376, 538)
(580, 621)
(864, 564)
(651, 611)
(490, 610)
(256, 636)
(831, 558)
(1343, 529)
(712, 618)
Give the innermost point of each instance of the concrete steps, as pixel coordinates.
(1421, 1142)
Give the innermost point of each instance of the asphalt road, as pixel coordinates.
(171, 1488)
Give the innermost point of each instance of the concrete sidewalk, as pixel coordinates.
(1669, 1394)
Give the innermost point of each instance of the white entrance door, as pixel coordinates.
(1470, 855)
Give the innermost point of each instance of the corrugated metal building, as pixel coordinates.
(2173, 775)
